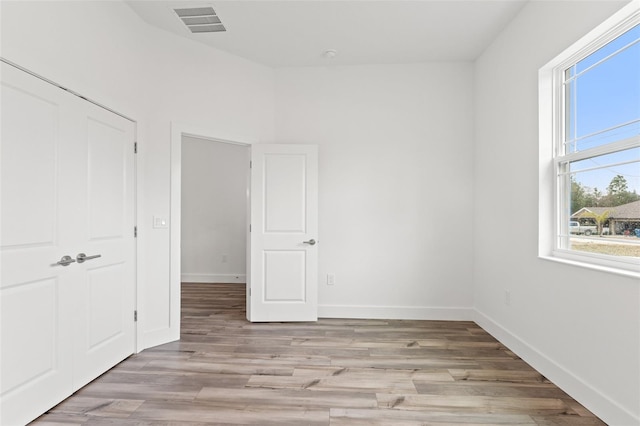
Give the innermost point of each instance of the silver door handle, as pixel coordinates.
(66, 261)
(311, 242)
(83, 257)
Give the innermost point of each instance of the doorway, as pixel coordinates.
(215, 172)
(214, 207)
(281, 255)
(214, 211)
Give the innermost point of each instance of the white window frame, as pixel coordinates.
(552, 195)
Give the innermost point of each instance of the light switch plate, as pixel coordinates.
(331, 279)
(160, 223)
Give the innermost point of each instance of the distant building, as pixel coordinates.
(625, 217)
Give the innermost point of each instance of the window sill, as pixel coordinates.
(602, 268)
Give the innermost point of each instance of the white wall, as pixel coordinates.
(104, 51)
(395, 145)
(579, 327)
(214, 211)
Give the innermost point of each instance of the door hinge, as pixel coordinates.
(135, 316)
(135, 147)
(135, 232)
(249, 227)
(250, 164)
(249, 292)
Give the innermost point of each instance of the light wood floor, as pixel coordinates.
(225, 370)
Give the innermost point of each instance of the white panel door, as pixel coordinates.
(284, 232)
(105, 333)
(53, 174)
(35, 292)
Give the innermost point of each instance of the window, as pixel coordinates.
(592, 94)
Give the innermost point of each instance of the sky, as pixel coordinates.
(605, 93)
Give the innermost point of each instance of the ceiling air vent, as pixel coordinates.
(200, 19)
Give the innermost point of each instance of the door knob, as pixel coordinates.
(66, 261)
(81, 258)
(311, 242)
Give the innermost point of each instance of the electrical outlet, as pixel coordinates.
(331, 279)
(507, 297)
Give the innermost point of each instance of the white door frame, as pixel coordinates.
(178, 130)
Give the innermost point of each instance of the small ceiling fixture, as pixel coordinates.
(330, 53)
(200, 19)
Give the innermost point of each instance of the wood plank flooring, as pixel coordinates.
(226, 371)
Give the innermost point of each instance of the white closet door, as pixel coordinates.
(57, 183)
(105, 328)
(36, 294)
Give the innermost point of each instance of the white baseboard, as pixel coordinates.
(395, 312)
(214, 278)
(602, 406)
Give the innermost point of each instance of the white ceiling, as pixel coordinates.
(290, 33)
